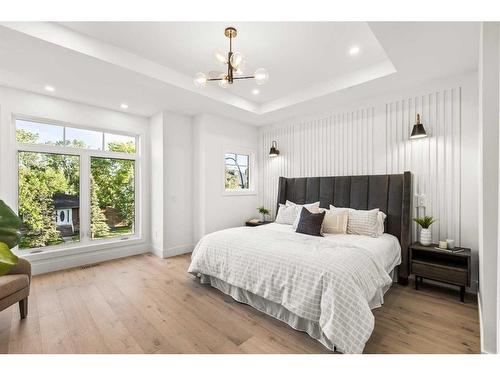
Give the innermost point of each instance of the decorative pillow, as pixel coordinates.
(363, 222)
(380, 223)
(286, 214)
(312, 207)
(335, 221)
(310, 223)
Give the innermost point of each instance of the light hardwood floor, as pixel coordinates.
(144, 304)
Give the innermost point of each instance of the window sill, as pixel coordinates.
(76, 248)
(238, 192)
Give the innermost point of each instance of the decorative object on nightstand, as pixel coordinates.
(256, 223)
(264, 212)
(425, 232)
(447, 266)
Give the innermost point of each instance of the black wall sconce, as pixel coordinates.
(418, 130)
(273, 152)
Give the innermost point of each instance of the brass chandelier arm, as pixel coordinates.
(244, 77)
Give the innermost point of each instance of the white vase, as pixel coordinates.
(425, 236)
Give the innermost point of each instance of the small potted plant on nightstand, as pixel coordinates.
(425, 233)
(263, 211)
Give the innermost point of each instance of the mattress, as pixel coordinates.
(325, 286)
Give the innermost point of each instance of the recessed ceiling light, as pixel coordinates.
(256, 91)
(50, 88)
(354, 50)
(124, 105)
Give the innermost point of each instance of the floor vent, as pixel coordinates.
(89, 266)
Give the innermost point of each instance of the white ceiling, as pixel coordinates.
(297, 55)
(150, 65)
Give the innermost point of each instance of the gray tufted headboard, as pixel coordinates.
(390, 193)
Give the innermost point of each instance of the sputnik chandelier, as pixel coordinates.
(235, 66)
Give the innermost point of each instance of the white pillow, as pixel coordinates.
(363, 222)
(353, 228)
(286, 214)
(335, 221)
(380, 223)
(312, 207)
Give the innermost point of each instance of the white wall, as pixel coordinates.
(17, 102)
(157, 177)
(489, 114)
(172, 181)
(372, 137)
(212, 209)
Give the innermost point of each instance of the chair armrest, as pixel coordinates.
(23, 267)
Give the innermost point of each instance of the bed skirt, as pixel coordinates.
(270, 308)
(276, 310)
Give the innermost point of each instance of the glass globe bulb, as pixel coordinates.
(261, 76)
(236, 60)
(241, 68)
(221, 57)
(215, 74)
(200, 80)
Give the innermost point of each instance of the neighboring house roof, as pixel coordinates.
(62, 200)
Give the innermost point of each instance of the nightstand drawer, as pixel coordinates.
(448, 274)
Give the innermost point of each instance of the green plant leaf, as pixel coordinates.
(263, 210)
(425, 221)
(9, 226)
(7, 258)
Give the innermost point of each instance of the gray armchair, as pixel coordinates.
(15, 287)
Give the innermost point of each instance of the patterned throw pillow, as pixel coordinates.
(363, 222)
(310, 223)
(335, 221)
(286, 214)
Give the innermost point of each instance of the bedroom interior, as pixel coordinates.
(250, 187)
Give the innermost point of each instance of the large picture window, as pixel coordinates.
(74, 184)
(112, 186)
(49, 202)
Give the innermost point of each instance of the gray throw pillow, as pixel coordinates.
(310, 223)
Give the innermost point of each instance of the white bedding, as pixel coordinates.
(333, 281)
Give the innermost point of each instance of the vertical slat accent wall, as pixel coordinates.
(334, 145)
(347, 143)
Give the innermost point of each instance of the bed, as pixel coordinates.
(325, 286)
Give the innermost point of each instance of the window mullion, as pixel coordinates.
(85, 197)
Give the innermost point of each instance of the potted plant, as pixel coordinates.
(9, 237)
(263, 211)
(425, 233)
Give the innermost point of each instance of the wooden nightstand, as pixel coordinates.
(441, 265)
(249, 224)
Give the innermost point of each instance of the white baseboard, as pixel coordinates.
(157, 251)
(172, 251)
(178, 250)
(40, 266)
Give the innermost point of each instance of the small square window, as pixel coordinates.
(237, 171)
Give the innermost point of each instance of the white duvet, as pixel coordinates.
(334, 280)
